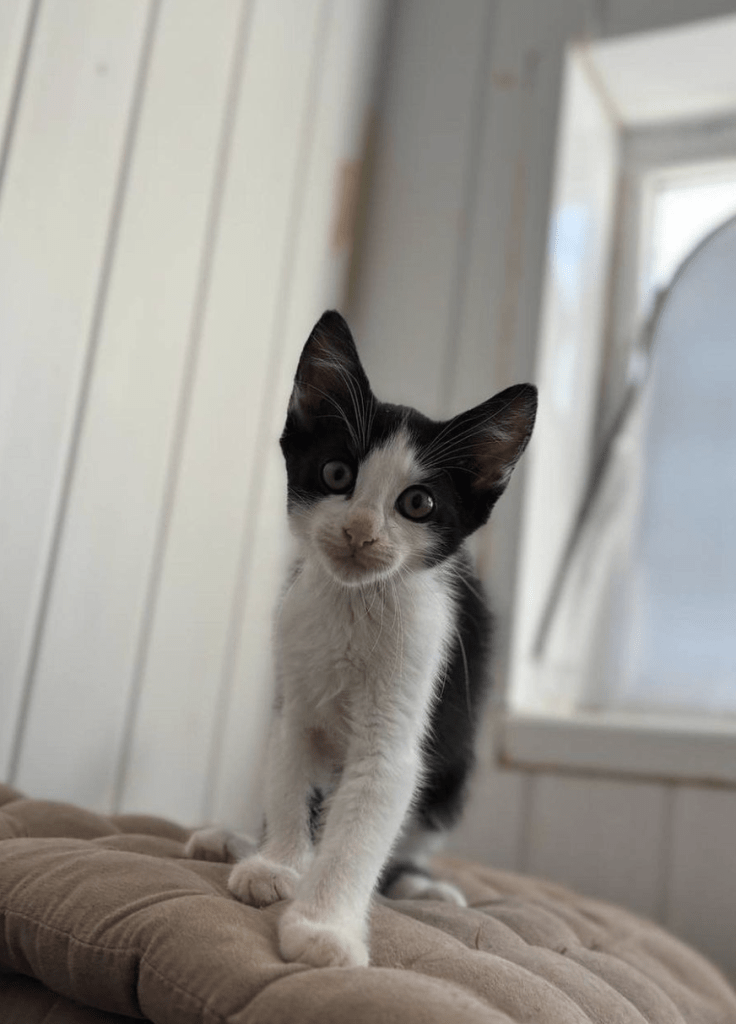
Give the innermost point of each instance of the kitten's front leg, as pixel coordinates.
(327, 923)
(272, 874)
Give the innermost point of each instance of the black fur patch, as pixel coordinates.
(334, 415)
(449, 745)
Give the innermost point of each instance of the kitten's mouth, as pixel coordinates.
(356, 566)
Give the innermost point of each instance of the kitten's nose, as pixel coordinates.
(361, 530)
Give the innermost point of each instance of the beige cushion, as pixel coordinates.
(106, 912)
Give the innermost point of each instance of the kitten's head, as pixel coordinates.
(376, 489)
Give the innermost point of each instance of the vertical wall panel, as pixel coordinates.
(702, 882)
(88, 650)
(342, 82)
(496, 335)
(492, 829)
(55, 213)
(189, 632)
(602, 837)
(417, 211)
(15, 24)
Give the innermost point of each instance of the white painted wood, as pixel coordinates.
(491, 830)
(98, 601)
(685, 71)
(56, 206)
(654, 746)
(571, 335)
(15, 18)
(349, 47)
(496, 341)
(601, 837)
(419, 202)
(701, 884)
(221, 462)
(498, 322)
(622, 17)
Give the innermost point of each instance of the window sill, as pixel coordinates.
(664, 749)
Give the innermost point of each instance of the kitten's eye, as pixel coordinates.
(415, 503)
(337, 476)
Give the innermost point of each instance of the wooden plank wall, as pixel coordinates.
(171, 175)
(447, 313)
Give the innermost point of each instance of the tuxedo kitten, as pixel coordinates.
(381, 647)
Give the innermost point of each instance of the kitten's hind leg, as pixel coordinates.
(407, 875)
(219, 844)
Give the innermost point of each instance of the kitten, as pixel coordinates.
(380, 647)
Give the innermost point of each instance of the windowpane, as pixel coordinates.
(684, 213)
(681, 591)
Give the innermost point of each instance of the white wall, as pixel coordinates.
(171, 179)
(454, 260)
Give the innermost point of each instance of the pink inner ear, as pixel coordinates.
(502, 442)
(492, 472)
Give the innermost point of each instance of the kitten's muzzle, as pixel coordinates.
(357, 549)
(361, 531)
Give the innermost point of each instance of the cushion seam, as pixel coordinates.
(136, 951)
(201, 1003)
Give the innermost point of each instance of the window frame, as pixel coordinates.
(552, 730)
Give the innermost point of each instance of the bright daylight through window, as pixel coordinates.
(679, 637)
(626, 603)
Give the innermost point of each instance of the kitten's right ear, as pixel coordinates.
(330, 379)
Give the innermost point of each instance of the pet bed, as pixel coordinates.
(104, 920)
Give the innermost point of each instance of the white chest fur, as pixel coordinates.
(345, 654)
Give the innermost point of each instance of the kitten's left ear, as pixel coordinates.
(493, 436)
(329, 374)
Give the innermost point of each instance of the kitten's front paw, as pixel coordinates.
(259, 882)
(320, 944)
(219, 844)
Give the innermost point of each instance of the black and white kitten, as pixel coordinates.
(381, 646)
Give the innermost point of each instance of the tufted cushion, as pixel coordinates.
(113, 923)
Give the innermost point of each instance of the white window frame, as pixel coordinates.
(545, 725)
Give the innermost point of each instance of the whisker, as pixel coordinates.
(467, 673)
(355, 394)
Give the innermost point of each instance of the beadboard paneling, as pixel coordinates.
(16, 25)
(188, 640)
(600, 836)
(58, 207)
(134, 396)
(702, 881)
(493, 827)
(166, 240)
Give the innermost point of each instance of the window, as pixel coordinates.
(624, 655)
(677, 636)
